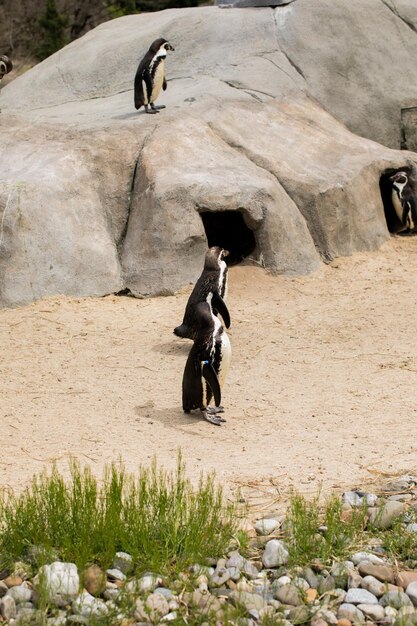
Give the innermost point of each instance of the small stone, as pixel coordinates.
(147, 582)
(275, 554)
(20, 593)
(373, 611)
(94, 580)
(412, 528)
(266, 526)
(411, 591)
(360, 596)
(354, 580)
(310, 577)
(344, 622)
(390, 612)
(374, 586)
(289, 594)
(111, 594)
(169, 617)
(299, 615)
(60, 582)
(350, 612)
(12, 581)
(115, 574)
(248, 600)
(157, 606)
(219, 577)
(366, 556)
(87, 605)
(249, 570)
(123, 562)
(404, 578)
(235, 560)
(327, 584)
(311, 595)
(384, 573)
(8, 608)
(353, 498)
(395, 599)
(282, 580)
(328, 616)
(383, 517)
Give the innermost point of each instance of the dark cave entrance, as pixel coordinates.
(228, 230)
(393, 222)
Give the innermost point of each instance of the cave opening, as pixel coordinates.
(228, 230)
(393, 221)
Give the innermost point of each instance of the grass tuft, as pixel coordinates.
(157, 516)
(335, 541)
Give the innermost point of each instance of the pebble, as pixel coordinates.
(266, 526)
(7, 607)
(289, 594)
(275, 554)
(358, 557)
(87, 605)
(404, 578)
(411, 592)
(395, 599)
(123, 562)
(20, 593)
(60, 582)
(374, 586)
(94, 580)
(374, 611)
(115, 574)
(384, 573)
(350, 612)
(235, 560)
(360, 596)
(383, 517)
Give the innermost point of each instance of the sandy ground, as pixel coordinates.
(322, 388)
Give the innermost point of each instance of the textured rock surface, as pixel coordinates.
(95, 198)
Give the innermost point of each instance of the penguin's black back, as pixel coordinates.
(202, 350)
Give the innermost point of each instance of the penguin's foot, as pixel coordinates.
(151, 111)
(215, 409)
(213, 419)
(156, 107)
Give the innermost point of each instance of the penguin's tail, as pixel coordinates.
(182, 331)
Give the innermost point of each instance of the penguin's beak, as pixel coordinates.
(169, 47)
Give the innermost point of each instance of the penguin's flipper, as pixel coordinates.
(213, 419)
(219, 304)
(182, 331)
(211, 377)
(164, 84)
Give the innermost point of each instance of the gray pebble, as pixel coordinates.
(360, 596)
(411, 591)
(395, 599)
(275, 554)
(20, 593)
(249, 570)
(289, 594)
(219, 577)
(123, 562)
(375, 612)
(266, 526)
(115, 574)
(7, 607)
(383, 517)
(235, 560)
(366, 556)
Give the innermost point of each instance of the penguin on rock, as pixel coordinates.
(6, 65)
(150, 76)
(207, 366)
(211, 287)
(404, 202)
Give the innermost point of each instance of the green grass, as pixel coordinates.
(399, 543)
(306, 543)
(157, 516)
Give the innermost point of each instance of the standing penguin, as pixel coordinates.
(211, 287)
(207, 366)
(404, 202)
(6, 65)
(150, 76)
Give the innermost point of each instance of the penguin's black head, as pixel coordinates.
(400, 178)
(214, 256)
(6, 65)
(159, 44)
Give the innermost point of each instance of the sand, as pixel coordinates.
(322, 391)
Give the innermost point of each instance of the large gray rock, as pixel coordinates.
(96, 198)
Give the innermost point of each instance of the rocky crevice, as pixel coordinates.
(401, 17)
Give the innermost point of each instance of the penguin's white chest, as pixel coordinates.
(397, 205)
(158, 80)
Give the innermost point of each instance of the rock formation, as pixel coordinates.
(272, 115)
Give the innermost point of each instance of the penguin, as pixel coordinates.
(150, 76)
(211, 287)
(6, 65)
(404, 202)
(207, 366)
